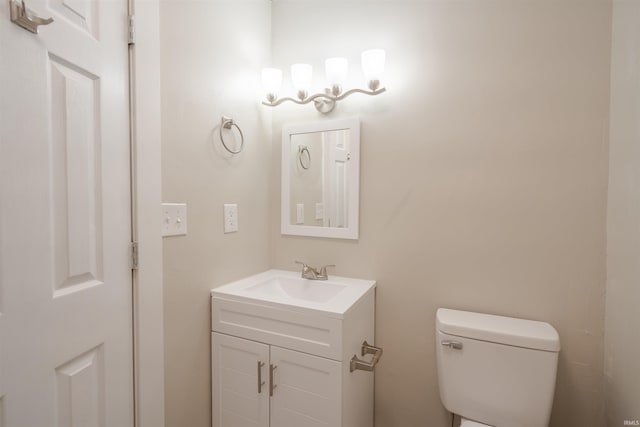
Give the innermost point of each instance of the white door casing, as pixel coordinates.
(66, 355)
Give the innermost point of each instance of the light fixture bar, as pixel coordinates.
(336, 70)
(324, 102)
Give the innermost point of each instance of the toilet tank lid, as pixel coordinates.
(502, 330)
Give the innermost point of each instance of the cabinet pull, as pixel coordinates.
(260, 382)
(361, 364)
(272, 386)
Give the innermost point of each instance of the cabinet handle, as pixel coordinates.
(260, 382)
(272, 386)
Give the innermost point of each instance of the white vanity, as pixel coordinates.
(288, 351)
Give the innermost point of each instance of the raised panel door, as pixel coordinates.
(307, 390)
(240, 382)
(66, 352)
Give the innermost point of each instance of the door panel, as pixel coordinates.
(308, 390)
(236, 399)
(75, 176)
(66, 354)
(79, 388)
(83, 14)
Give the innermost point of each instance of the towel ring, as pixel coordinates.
(302, 149)
(228, 123)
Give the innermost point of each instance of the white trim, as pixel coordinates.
(147, 179)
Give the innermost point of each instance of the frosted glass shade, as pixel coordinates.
(373, 64)
(301, 76)
(271, 80)
(336, 70)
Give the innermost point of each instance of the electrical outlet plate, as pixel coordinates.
(230, 218)
(174, 219)
(299, 213)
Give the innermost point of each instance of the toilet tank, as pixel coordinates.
(496, 370)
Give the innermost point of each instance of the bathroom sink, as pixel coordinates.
(281, 308)
(295, 288)
(333, 297)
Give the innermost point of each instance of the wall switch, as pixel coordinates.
(299, 213)
(230, 218)
(174, 219)
(319, 210)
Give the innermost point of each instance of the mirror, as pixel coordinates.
(321, 179)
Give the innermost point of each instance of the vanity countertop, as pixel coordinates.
(286, 289)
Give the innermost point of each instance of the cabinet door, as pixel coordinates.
(307, 390)
(239, 399)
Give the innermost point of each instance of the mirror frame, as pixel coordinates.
(352, 230)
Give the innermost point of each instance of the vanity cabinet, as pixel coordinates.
(259, 385)
(278, 364)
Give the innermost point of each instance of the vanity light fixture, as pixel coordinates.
(336, 71)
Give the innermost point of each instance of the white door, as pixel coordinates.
(308, 390)
(240, 382)
(66, 355)
(336, 150)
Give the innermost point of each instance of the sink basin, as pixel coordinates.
(286, 289)
(297, 288)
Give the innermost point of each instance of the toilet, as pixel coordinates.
(496, 371)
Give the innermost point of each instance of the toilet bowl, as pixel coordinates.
(500, 371)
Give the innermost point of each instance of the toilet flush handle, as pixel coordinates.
(456, 345)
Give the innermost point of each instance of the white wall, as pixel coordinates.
(212, 52)
(622, 343)
(483, 181)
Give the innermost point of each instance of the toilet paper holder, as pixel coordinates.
(358, 364)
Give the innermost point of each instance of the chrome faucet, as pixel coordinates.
(311, 273)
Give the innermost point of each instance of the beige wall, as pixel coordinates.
(212, 52)
(622, 346)
(484, 174)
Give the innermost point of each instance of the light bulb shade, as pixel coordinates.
(373, 64)
(336, 70)
(301, 76)
(271, 80)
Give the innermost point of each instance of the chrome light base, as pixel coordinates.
(326, 102)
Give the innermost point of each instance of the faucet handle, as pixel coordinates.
(308, 272)
(323, 270)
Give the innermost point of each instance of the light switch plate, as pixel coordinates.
(174, 219)
(230, 218)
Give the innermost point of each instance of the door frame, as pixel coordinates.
(146, 182)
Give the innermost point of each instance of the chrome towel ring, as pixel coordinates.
(302, 150)
(228, 123)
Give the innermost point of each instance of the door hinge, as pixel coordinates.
(131, 38)
(134, 255)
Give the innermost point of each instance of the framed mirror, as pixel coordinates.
(321, 179)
